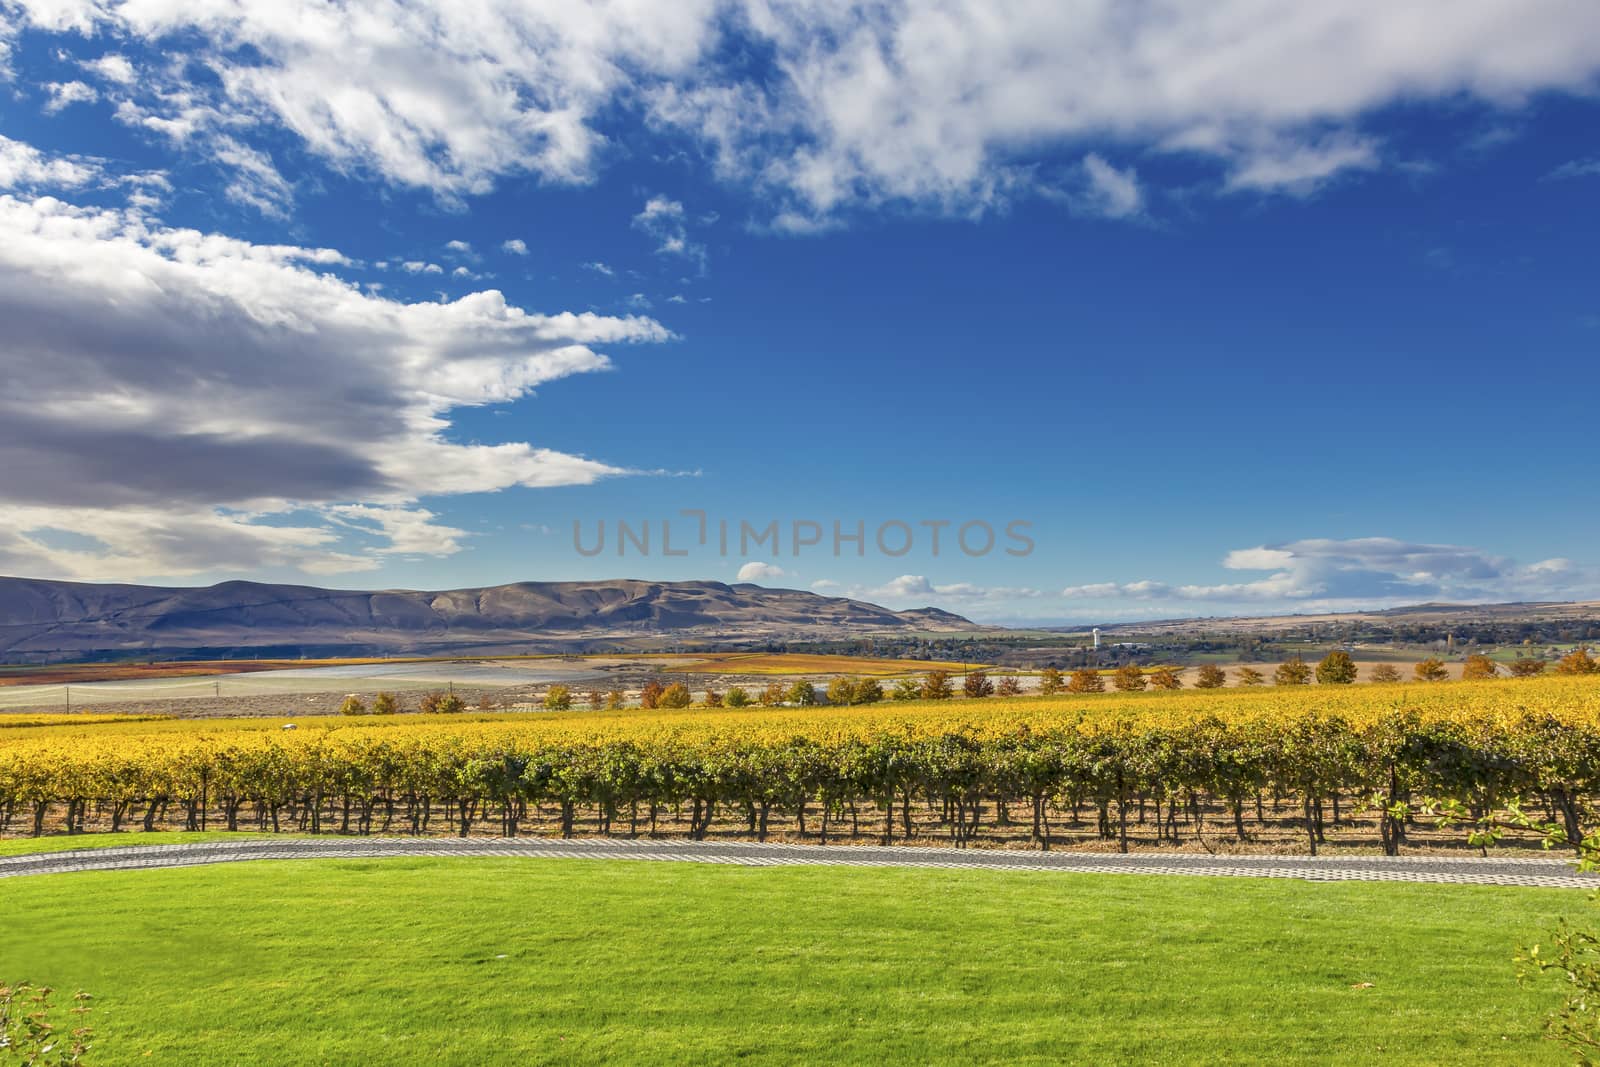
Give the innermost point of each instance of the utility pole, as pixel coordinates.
(68, 689)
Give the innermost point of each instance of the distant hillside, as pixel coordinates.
(40, 618)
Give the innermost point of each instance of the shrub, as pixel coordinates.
(737, 698)
(28, 1034)
(676, 695)
(616, 700)
(557, 698)
(1249, 676)
(353, 705)
(1129, 678)
(772, 695)
(450, 704)
(651, 696)
(1578, 661)
(713, 698)
(1292, 671)
(597, 699)
(384, 704)
(1336, 668)
(1384, 673)
(1211, 677)
(1479, 667)
(977, 684)
(841, 691)
(1165, 678)
(1086, 681)
(802, 693)
(1050, 681)
(1431, 669)
(1009, 686)
(907, 689)
(936, 686)
(1528, 668)
(868, 691)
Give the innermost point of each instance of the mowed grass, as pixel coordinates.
(490, 961)
(29, 846)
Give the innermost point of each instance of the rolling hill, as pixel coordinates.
(50, 619)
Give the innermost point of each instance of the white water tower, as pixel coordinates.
(1097, 638)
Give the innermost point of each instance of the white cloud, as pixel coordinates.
(64, 94)
(666, 221)
(23, 166)
(756, 571)
(1111, 192)
(1326, 574)
(515, 246)
(600, 268)
(113, 68)
(462, 248)
(199, 402)
(253, 179)
(417, 266)
(1576, 168)
(945, 105)
(918, 587)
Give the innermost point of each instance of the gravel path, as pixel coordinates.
(1546, 873)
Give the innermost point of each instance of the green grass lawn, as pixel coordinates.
(487, 961)
(27, 846)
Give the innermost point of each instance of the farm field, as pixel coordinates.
(516, 960)
(1294, 768)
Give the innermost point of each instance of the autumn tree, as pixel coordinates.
(977, 684)
(384, 704)
(1129, 678)
(907, 689)
(597, 699)
(1431, 669)
(1479, 667)
(651, 696)
(1292, 671)
(616, 700)
(738, 697)
(1336, 668)
(1249, 676)
(353, 705)
(1578, 661)
(1165, 678)
(557, 698)
(802, 693)
(713, 699)
(868, 691)
(773, 695)
(936, 685)
(1086, 680)
(1009, 686)
(676, 695)
(1384, 673)
(1211, 676)
(841, 691)
(1527, 667)
(1050, 681)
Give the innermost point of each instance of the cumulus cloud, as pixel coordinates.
(917, 587)
(198, 402)
(941, 104)
(64, 94)
(756, 571)
(600, 268)
(23, 166)
(1321, 573)
(515, 246)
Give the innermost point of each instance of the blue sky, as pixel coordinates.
(1256, 309)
